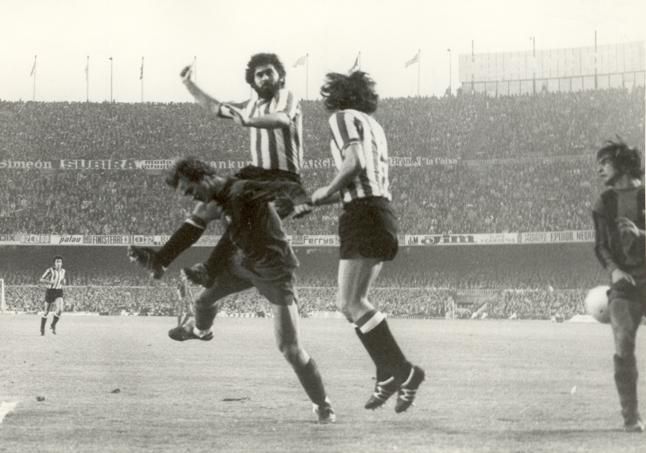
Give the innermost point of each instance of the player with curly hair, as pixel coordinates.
(367, 228)
(273, 117)
(620, 247)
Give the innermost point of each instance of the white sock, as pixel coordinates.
(202, 333)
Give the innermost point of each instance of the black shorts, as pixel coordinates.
(52, 294)
(262, 174)
(368, 229)
(635, 294)
(275, 281)
(283, 205)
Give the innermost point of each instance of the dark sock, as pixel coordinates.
(626, 375)
(311, 381)
(382, 373)
(183, 238)
(43, 322)
(381, 345)
(55, 319)
(204, 316)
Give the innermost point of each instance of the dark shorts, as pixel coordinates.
(263, 174)
(275, 281)
(284, 205)
(368, 229)
(52, 294)
(635, 294)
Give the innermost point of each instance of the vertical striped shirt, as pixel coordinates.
(56, 277)
(351, 126)
(280, 148)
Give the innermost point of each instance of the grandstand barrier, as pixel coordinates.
(304, 240)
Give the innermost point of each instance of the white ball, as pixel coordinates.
(596, 303)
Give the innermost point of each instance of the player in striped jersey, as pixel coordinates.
(274, 120)
(54, 278)
(367, 228)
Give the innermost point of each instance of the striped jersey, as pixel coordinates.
(56, 277)
(351, 126)
(280, 148)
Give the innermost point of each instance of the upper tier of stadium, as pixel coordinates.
(465, 164)
(457, 127)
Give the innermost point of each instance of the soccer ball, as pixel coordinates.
(596, 304)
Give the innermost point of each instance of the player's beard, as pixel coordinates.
(267, 90)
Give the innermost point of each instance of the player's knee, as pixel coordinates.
(291, 351)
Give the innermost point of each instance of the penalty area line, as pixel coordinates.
(5, 408)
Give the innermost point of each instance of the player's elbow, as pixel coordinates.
(283, 120)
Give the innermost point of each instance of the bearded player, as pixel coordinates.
(273, 117)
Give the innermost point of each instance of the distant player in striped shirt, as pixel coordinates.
(54, 278)
(367, 228)
(273, 117)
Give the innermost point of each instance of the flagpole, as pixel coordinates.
(111, 79)
(141, 78)
(87, 78)
(450, 73)
(33, 90)
(307, 74)
(419, 65)
(473, 60)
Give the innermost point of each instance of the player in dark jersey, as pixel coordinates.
(274, 121)
(262, 258)
(367, 228)
(620, 247)
(54, 278)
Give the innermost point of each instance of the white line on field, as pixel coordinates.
(5, 408)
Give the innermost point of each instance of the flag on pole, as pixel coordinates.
(356, 66)
(33, 67)
(87, 67)
(413, 60)
(141, 69)
(301, 61)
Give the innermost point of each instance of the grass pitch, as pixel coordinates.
(120, 384)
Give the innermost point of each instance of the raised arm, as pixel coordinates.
(209, 103)
(47, 276)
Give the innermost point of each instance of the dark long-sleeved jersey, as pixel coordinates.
(613, 249)
(254, 226)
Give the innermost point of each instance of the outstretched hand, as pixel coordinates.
(301, 210)
(319, 195)
(618, 275)
(627, 227)
(186, 73)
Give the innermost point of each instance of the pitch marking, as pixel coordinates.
(5, 408)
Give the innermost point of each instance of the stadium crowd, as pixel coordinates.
(466, 198)
(462, 127)
(460, 164)
(535, 175)
(514, 281)
(397, 302)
